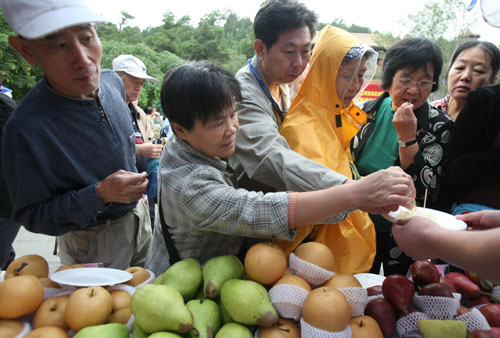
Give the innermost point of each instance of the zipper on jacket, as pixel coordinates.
(101, 109)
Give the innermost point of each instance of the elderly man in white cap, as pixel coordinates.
(133, 73)
(69, 150)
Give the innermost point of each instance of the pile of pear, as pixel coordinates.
(228, 298)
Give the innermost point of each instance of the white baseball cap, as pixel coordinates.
(132, 66)
(35, 19)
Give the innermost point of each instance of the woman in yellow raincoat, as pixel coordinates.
(320, 124)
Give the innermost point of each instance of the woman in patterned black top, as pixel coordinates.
(404, 130)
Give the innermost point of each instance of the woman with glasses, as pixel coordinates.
(474, 64)
(403, 129)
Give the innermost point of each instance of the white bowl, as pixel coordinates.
(443, 219)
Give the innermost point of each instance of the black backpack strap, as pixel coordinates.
(172, 251)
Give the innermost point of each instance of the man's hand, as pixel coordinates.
(385, 190)
(122, 186)
(484, 219)
(149, 150)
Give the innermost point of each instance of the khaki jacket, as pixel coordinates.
(147, 133)
(263, 159)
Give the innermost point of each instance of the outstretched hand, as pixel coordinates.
(122, 186)
(385, 190)
(484, 219)
(410, 234)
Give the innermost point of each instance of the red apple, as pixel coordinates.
(463, 284)
(383, 312)
(399, 290)
(482, 299)
(492, 314)
(424, 272)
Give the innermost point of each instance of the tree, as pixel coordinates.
(445, 22)
(440, 18)
(123, 21)
(353, 28)
(157, 64)
(16, 73)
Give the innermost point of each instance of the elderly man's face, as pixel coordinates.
(70, 59)
(133, 87)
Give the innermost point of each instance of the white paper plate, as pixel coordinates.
(90, 276)
(443, 219)
(369, 279)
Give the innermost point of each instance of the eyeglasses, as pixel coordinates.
(422, 84)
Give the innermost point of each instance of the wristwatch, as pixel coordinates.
(403, 144)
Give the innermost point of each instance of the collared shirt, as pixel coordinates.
(206, 214)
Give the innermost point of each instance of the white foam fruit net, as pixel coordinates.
(370, 298)
(288, 300)
(407, 326)
(309, 331)
(438, 307)
(474, 320)
(357, 298)
(496, 291)
(312, 273)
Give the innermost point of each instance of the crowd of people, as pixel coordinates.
(243, 161)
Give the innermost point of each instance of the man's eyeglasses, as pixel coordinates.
(422, 84)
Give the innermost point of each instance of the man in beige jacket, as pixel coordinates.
(133, 74)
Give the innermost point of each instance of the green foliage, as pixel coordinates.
(16, 73)
(440, 19)
(353, 28)
(157, 64)
(223, 38)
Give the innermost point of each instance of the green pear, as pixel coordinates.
(160, 308)
(248, 302)
(164, 334)
(433, 328)
(112, 330)
(184, 276)
(137, 332)
(206, 316)
(234, 330)
(219, 269)
(226, 318)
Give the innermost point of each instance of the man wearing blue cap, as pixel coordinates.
(69, 151)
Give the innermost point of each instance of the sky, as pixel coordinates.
(382, 15)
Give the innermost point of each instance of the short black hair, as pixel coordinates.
(149, 110)
(490, 49)
(278, 16)
(198, 90)
(414, 53)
